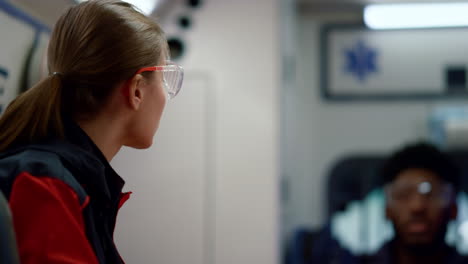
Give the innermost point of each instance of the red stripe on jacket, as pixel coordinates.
(48, 221)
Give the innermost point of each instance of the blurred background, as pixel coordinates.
(287, 110)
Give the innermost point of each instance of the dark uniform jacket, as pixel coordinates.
(64, 197)
(385, 256)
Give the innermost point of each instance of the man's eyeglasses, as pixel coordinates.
(433, 194)
(173, 76)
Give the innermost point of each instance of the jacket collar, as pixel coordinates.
(84, 159)
(104, 179)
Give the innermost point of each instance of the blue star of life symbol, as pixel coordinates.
(361, 60)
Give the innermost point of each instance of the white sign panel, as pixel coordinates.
(384, 63)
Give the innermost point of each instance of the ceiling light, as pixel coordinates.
(145, 6)
(420, 15)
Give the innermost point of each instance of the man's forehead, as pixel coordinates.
(417, 175)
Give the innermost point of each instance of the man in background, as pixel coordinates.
(421, 184)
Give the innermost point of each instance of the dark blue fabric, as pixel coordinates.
(324, 249)
(385, 256)
(78, 162)
(309, 247)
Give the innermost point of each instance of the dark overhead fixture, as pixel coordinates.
(176, 47)
(194, 3)
(185, 22)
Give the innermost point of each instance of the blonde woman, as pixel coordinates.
(108, 85)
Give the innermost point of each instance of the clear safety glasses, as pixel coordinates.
(173, 76)
(438, 195)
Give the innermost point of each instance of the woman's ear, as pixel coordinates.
(135, 91)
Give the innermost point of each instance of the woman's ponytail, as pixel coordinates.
(34, 115)
(93, 59)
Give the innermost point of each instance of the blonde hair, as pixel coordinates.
(94, 46)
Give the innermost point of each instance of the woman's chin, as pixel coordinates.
(141, 144)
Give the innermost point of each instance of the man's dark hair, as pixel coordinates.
(421, 156)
